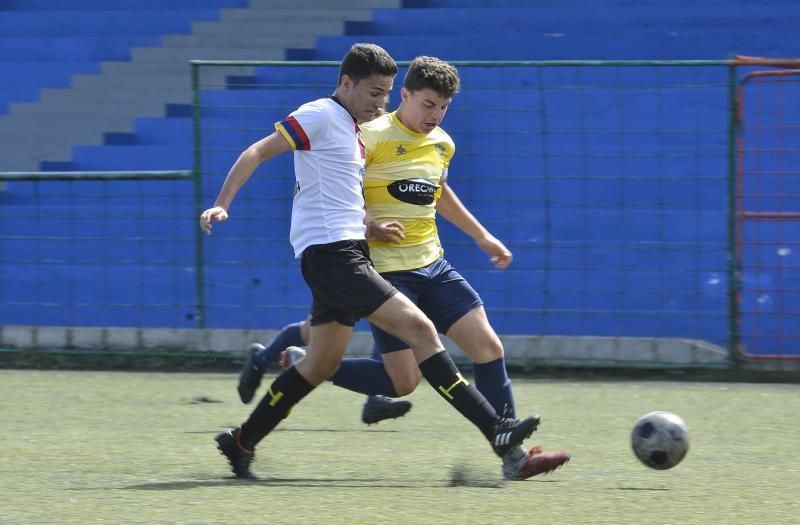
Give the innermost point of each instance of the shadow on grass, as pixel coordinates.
(332, 430)
(336, 430)
(654, 489)
(272, 482)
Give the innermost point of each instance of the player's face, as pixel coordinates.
(422, 110)
(366, 98)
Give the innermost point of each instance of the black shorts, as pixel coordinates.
(344, 284)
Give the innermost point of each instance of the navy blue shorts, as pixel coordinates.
(438, 290)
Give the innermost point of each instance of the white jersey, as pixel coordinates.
(329, 172)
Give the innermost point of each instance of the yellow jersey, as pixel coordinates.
(404, 174)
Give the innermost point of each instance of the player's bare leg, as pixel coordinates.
(401, 318)
(327, 345)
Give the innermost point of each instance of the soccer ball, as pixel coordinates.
(660, 440)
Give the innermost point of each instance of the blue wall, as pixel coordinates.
(609, 184)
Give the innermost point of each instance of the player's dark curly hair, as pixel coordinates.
(432, 73)
(365, 60)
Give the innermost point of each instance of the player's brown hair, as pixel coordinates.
(432, 73)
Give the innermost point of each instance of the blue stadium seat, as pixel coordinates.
(101, 22)
(573, 46)
(597, 21)
(116, 5)
(126, 158)
(47, 50)
(27, 74)
(573, 5)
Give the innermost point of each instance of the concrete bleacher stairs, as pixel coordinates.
(105, 96)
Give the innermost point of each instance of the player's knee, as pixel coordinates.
(421, 330)
(484, 350)
(406, 382)
(317, 370)
(494, 350)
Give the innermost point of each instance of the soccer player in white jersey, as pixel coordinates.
(328, 235)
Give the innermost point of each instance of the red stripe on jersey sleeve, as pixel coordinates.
(304, 144)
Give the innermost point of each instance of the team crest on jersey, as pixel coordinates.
(413, 191)
(401, 150)
(440, 149)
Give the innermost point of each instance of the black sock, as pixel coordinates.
(287, 389)
(442, 374)
(365, 376)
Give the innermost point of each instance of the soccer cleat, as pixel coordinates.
(378, 408)
(509, 433)
(250, 376)
(291, 356)
(519, 464)
(238, 457)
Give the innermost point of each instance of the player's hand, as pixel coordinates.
(499, 255)
(391, 231)
(215, 214)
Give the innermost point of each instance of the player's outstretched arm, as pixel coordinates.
(242, 169)
(452, 209)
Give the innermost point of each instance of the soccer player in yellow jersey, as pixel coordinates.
(408, 156)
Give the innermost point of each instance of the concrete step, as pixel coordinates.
(270, 27)
(227, 40)
(325, 4)
(183, 55)
(45, 127)
(210, 78)
(293, 16)
(155, 70)
(12, 158)
(129, 80)
(84, 112)
(148, 70)
(161, 75)
(117, 95)
(22, 144)
(169, 76)
(40, 124)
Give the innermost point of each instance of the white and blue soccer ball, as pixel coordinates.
(660, 440)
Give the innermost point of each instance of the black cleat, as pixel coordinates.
(509, 433)
(238, 457)
(378, 408)
(250, 376)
